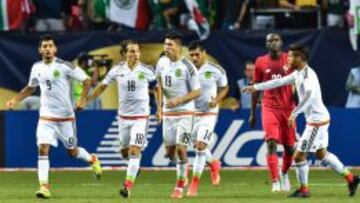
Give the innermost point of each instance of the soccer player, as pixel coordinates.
(214, 87)
(133, 80)
(57, 118)
(315, 136)
(178, 87)
(277, 105)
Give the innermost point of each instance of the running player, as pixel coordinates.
(315, 137)
(277, 105)
(214, 87)
(179, 86)
(133, 80)
(57, 118)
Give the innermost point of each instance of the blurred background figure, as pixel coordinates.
(353, 86)
(245, 99)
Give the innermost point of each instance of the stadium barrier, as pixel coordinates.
(233, 142)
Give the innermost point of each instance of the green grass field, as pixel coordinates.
(155, 186)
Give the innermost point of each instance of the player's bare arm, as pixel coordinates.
(254, 101)
(184, 99)
(27, 91)
(97, 92)
(82, 101)
(222, 92)
(158, 99)
(249, 89)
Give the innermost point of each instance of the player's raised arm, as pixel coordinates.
(271, 84)
(25, 92)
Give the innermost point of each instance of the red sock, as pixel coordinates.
(349, 177)
(180, 183)
(304, 189)
(195, 179)
(287, 161)
(128, 184)
(272, 161)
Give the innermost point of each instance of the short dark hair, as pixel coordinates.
(196, 45)
(300, 50)
(175, 36)
(249, 62)
(125, 43)
(46, 37)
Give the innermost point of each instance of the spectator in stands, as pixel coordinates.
(352, 18)
(300, 19)
(297, 4)
(353, 86)
(245, 99)
(165, 13)
(335, 12)
(50, 15)
(94, 14)
(235, 11)
(264, 21)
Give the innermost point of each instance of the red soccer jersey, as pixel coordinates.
(267, 68)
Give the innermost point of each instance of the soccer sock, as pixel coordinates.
(335, 164)
(272, 161)
(302, 174)
(83, 155)
(287, 161)
(180, 174)
(43, 169)
(199, 164)
(132, 170)
(209, 156)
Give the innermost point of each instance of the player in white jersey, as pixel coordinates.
(214, 87)
(178, 86)
(133, 80)
(57, 118)
(315, 136)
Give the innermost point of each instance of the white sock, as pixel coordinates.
(334, 163)
(181, 170)
(43, 169)
(302, 172)
(83, 155)
(133, 168)
(199, 163)
(209, 156)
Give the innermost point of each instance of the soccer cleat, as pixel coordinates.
(177, 193)
(299, 194)
(353, 186)
(215, 168)
(43, 192)
(96, 166)
(193, 188)
(124, 192)
(276, 187)
(284, 182)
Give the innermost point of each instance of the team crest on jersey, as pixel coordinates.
(56, 73)
(141, 76)
(208, 74)
(178, 73)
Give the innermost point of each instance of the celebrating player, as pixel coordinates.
(214, 87)
(315, 136)
(57, 119)
(277, 105)
(179, 85)
(133, 80)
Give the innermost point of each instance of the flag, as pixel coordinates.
(132, 13)
(13, 13)
(198, 21)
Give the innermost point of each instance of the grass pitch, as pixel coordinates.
(156, 186)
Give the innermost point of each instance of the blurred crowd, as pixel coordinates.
(74, 15)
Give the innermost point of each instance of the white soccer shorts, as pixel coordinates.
(203, 128)
(314, 138)
(177, 129)
(48, 132)
(132, 132)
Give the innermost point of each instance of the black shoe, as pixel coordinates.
(353, 186)
(124, 193)
(299, 194)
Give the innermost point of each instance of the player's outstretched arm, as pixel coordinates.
(25, 92)
(271, 84)
(184, 99)
(97, 92)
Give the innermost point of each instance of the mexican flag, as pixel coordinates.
(132, 13)
(13, 13)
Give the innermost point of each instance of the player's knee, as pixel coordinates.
(271, 146)
(181, 152)
(134, 151)
(320, 154)
(299, 157)
(43, 150)
(289, 149)
(124, 153)
(201, 146)
(72, 153)
(170, 152)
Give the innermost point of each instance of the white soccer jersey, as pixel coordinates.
(309, 92)
(178, 79)
(212, 76)
(133, 88)
(54, 80)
